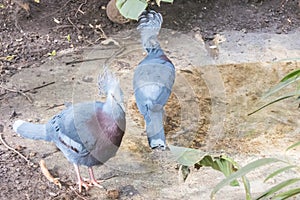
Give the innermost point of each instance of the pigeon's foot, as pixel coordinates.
(87, 183)
(81, 183)
(97, 183)
(94, 182)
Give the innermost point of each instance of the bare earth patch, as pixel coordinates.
(215, 89)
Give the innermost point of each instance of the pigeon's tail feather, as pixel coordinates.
(31, 131)
(149, 27)
(155, 129)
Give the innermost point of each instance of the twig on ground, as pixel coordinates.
(74, 25)
(39, 87)
(79, 8)
(110, 177)
(12, 149)
(74, 190)
(19, 92)
(61, 26)
(47, 174)
(103, 36)
(107, 59)
(58, 10)
(28, 90)
(55, 106)
(85, 60)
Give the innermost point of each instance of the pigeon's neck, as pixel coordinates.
(151, 43)
(113, 108)
(155, 51)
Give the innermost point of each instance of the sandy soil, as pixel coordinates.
(215, 89)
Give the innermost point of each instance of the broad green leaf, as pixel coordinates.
(278, 187)
(243, 171)
(287, 194)
(283, 169)
(186, 156)
(292, 75)
(185, 171)
(131, 8)
(276, 100)
(220, 164)
(293, 146)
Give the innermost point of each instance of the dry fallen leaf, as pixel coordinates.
(113, 194)
(47, 174)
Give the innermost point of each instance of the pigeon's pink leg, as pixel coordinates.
(93, 181)
(81, 183)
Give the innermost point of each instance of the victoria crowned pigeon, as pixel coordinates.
(153, 79)
(87, 133)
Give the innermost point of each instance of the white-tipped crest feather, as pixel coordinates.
(149, 26)
(109, 86)
(107, 81)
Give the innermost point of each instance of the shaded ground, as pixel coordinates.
(28, 40)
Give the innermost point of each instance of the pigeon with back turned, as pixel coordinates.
(87, 133)
(153, 79)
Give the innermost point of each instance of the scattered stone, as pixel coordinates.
(87, 79)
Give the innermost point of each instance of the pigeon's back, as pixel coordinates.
(155, 74)
(86, 134)
(153, 79)
(150, 74)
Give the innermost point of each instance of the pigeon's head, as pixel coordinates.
(109, 86)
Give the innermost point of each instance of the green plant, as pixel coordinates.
(52, 53)
(133, 8)
(188, 157)
(192, 157)
(274, 192)
(291, 78)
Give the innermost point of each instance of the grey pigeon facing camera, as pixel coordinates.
(153, 79)
(87, 133)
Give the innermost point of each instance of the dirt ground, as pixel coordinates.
(27, 40)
